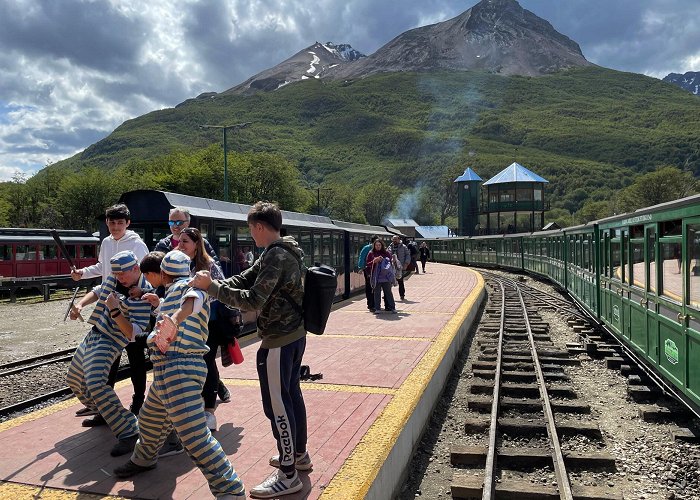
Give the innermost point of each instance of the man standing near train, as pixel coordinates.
(178, 220)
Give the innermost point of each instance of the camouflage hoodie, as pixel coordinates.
(258, 289)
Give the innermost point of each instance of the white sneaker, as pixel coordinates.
(277, 484)
(211, 420)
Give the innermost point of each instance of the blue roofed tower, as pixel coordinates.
(468, 203)
(514, 201)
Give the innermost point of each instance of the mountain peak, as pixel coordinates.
(312, 62)
(498, 36)
(690, 81)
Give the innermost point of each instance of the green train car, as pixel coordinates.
(637, 273)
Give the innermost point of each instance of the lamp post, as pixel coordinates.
(237, 126)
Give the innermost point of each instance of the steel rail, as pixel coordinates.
(25, 368)
(489, 489)
(557, 456)
(20, 362)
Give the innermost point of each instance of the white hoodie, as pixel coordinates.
(110, 247)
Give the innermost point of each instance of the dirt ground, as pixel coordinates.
(31, 329)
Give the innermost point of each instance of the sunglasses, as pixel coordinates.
(177, 223)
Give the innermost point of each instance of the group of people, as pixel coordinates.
(385, 267)
(176, 303)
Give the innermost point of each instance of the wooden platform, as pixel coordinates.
(381, 377)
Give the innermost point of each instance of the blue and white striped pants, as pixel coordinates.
(87, 378)
(175, 400)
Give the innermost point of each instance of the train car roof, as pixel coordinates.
(669, 205)
(147, 205)
(43, 236)
(353, 227)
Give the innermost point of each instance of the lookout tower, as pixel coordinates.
(514, 201)
(468, 189)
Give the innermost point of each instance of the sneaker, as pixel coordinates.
(302, 462)
(95, 421)
(131, 469)
(86, 412)
(124, 446)
(211, 420)
(373, 310)
(277, 484)
(391, 311)
(172, 446)
(403, 297)
(224, 394)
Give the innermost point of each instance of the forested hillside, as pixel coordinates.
(590, 132)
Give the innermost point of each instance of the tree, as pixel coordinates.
(83, 197)
(377, 201)
(594, 210)
(342, 203)
(665, 184)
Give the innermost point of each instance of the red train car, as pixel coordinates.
(28, 253)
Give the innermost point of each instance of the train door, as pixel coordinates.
(638, 259)
(692, 304)
(6, 260)
(672, 321)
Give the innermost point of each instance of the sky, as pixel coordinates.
(71, 71)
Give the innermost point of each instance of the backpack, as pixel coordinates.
(320, 282)
(384, 270)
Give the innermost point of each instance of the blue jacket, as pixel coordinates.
(362, 260)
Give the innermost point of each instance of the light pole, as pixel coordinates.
(225, 128)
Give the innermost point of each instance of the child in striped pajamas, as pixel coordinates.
(114, 323)
(174, 399)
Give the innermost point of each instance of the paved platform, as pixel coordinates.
(382, 375)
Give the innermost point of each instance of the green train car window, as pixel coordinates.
(638, 275)
(693, 247)
(670, 263)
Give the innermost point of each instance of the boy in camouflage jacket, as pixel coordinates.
(283, 336)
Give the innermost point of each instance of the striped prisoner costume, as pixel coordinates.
(89, 369)
(174, 399)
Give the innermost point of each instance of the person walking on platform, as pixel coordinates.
(424, 252)
(115, 322)
(174, 399)
(404, 257)
(382, 276)
(413, 251)
(367, 270)
(118, 219)
(270, 286)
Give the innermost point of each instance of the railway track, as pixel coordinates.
(22, 365)
(531, 401)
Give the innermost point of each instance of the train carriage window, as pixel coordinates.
(651, 262)
(5, 252)
(26, 252)
(616, 260)
(50, 252)
(670, 263)
(693, 267)
(88, 251)
(305, 243)
(326, 249)
(586, 253)
(637, 274)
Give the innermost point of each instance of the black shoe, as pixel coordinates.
(171, 448)
(131, 469)
(95, 421)
(85, 412)
(136, 404)
(124, 446)
(224, 394)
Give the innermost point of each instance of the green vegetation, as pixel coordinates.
(591, 132)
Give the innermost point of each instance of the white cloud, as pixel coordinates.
(74, 70)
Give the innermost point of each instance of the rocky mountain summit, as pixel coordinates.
(689, 81)
(497, 36)
(312, 62)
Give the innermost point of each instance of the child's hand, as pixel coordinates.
(135, 292)
(166, 331)
(112, 301)
(151, 298)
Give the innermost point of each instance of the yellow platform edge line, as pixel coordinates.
(17, 491)
(376, 337)
(357, 474)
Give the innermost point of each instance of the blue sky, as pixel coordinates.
(73, 70)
